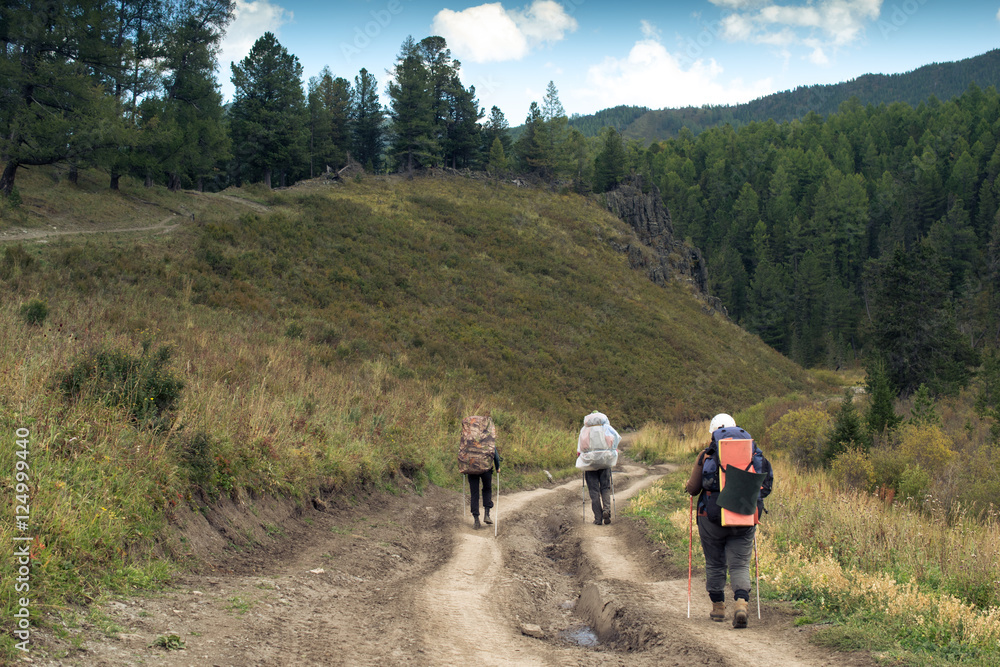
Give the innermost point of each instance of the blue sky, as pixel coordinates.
(601, 54)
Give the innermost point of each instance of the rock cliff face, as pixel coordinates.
(663, 256)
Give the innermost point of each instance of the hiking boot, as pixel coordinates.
(598, 521)
(477, 525)
(718, 613)
(487, 519)
(740, 614)
(607, 517)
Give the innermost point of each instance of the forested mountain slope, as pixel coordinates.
(941, 80)
(858, 231)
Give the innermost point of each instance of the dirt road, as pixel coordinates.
(407, 581)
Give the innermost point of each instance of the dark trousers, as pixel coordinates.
(727, 549)
(599, 487)
(487, 480)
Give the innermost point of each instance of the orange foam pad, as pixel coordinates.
(737, 453)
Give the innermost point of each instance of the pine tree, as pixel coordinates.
(268, 113)
(329, 102)
(881, 415)
(847, 431)
(496, 127)
(609, 163)
(462, 138)
(192, 104)
(497, 164)
(367, 121)
(53, 106)
(526, 148)
(413, 109)
(923, 411)
(911, 324)
(767, 305)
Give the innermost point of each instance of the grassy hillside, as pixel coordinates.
(514, 293)
(322, 339)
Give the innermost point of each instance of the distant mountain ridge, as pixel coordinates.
(942, 80)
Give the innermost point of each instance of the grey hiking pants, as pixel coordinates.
(726, 549)
(599, 487)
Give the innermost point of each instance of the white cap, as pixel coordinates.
(721, 420)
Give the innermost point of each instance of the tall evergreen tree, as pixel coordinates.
(412, 110)
(497, 162)
(881, 415)
(496, 127)
(548, 155)
(321, 148)
(132, 43)
(52, 106)
(462, 136)
(329, 121)
(526, 147)
(268, 113)
(197, 143)
(609, 163)
(911, 324)
(767, 305)
(367, 121)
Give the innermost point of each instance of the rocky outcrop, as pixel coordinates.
(657, 250)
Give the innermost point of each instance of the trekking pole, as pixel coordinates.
(691, 550)
(756, 569)
(614, 514)
(583, 498)
(496, 507)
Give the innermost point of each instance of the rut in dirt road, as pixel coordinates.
(405, 580)
(554, 589)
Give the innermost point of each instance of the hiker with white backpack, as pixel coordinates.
(596, 455)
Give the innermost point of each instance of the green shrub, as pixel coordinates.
(927, 446)
(914, 484)
(34, 312)
(142, 385)
(853, 469)
(14, 262)
(802, 435)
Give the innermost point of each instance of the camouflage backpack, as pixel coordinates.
(476, 445)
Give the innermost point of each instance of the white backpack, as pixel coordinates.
(597, 444)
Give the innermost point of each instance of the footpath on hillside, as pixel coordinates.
(405, 580)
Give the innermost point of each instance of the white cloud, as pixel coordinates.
(998, 15)
(649, 31)
(737, 4)
(490, 33)
(252, 19)
(651, 76)
(482, 34)
(831, 23)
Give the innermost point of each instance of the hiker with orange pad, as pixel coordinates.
(731, 478)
